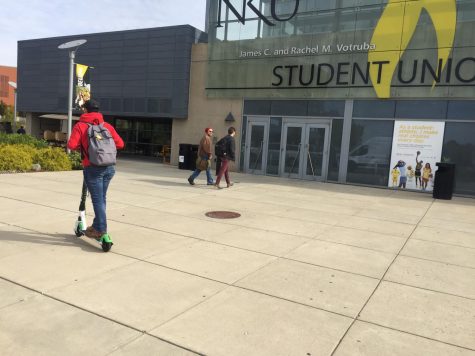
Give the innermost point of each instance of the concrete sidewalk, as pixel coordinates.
(308, 269)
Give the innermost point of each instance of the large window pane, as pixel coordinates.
(374, 109)
(257, 107)
(461, 110)
(421, 109)
(326, 108)
(289, 107)
(459, 148)
(370, 152)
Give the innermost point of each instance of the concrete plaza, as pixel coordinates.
(308, 269)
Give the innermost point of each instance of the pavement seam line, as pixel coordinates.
(263, 253)
(428, 289)
(379, 283)
(412, 334)
(144, 332)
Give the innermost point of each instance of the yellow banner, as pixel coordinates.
(81, 70)
(405, 15)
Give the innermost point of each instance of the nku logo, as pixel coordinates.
(249, 3)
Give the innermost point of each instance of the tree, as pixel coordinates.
(6, 112)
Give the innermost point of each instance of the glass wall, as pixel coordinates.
(459, 148)
(146, 137)
(370, 151)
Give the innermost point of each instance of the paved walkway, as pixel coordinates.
(308, 269)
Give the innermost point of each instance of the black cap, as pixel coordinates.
(91, 106)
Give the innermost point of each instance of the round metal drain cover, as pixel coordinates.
(222, 215)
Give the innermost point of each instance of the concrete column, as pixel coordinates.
(33, 125)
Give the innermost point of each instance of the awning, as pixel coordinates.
(57, 117)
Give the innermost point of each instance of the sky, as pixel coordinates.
(30, 19)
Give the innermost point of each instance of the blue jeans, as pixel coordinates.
(197, 172)
(97, 180)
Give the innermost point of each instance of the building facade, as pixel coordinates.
(7, 93)
(325, 90)
(141, 79)
(344, 90)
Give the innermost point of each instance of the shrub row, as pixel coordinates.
(21, 157)
(16, 139)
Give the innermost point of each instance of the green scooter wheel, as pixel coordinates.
(106, 243)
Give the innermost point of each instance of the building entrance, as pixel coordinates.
(255, 160)
(305, 150)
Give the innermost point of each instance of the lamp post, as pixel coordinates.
(14, 86)
(72, 46)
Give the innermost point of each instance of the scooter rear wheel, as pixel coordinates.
(106, 246)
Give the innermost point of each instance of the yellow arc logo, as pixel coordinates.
(391, 43)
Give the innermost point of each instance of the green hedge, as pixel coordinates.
(52, 159)
(76, 161)
(15, 158)
(20, 158)
(16, 139)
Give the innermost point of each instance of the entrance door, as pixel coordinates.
(305, 151)
(316, 152)
(256, 146)
(292, 150)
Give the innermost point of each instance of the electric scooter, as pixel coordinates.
(80, 226)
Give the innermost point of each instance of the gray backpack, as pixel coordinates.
(102, 150)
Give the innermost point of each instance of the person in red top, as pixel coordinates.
(97, 178)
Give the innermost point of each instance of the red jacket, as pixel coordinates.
(79, 139)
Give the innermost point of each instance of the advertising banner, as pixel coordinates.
(417, 146)
(83, 86)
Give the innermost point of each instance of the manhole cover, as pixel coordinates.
(222, 215)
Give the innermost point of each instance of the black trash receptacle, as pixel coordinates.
(193, 157)
(184, 156)
(444, 182)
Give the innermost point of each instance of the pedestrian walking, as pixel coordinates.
(225, 150)
(96, 176)
(204, 158)
(21, 131)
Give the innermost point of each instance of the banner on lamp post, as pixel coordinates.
(417, 146)
(83, 86)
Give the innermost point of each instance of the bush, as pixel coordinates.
(52, 159)
(16, 158)
(16, 139)
(76, 161)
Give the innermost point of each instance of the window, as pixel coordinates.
(370, 152)
(459, 148)
(4, 86)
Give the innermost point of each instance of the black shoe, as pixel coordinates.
(191, 181)
(210, 184)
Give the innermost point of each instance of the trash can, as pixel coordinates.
(184, 156)
(193, 157)
(444, 182)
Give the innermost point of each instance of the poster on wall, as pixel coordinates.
(83, 86)
(417, 146)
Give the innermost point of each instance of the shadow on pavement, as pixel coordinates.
(32, 238)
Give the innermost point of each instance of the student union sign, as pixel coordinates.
(388, 62)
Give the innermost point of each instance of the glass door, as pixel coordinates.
(305, 151)
(256, 146)
(316, 152)
(292, 148)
